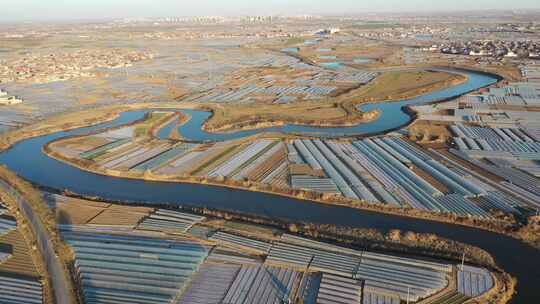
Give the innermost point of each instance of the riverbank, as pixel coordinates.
(75, 120)
(503, 226)
(25, 232)
(39, 218)
(395, 242)
(340, 111)
(378, 90)
(254, 123)
(59, 123)
(174, 134)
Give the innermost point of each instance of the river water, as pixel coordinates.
(27, 160)
(392, 116)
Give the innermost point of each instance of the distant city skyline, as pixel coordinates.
(28, 10)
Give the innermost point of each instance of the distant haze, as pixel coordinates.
(24, 10)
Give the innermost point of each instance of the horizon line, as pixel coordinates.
(525, 11)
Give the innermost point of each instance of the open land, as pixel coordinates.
(337, 111)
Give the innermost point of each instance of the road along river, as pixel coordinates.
(27, 160)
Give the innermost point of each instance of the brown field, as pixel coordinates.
(508, 71)
(281, 180)
(86, 143)
(380, 52)
(398, 85)
(75, 214)
(427, 131)
(79, 212)
(304, 169)
(248, 229)
(119, 216)
(439, 186)
(21, 262)
(217, 157)
(268, 166)
(225, 117)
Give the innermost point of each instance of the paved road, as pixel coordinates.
(61, 284)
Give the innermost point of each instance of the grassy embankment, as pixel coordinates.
(47, 218)
(152, 123)
(61, 122)
(74, 120)
(336, 111)
(295, 40)
(31, 245)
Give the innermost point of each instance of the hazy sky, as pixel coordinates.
(20, 10)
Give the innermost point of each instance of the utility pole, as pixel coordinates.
(408, 293)
(209, 66)
(295, 296)
(362, 285)
(362, 282)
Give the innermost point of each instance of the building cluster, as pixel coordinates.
(505, 28)
(41, 68)
(261, 19)
(498, 49)
(328, 31)
(6, 99)
(392, 31)
(212, 19)
(190, 35)
(192, 20)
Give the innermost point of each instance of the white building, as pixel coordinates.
(11, 100)
(480, 53)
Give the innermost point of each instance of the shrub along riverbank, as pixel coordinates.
(503, 223)
(404, 243)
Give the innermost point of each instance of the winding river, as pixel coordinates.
(27, 159)
(392, 116)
